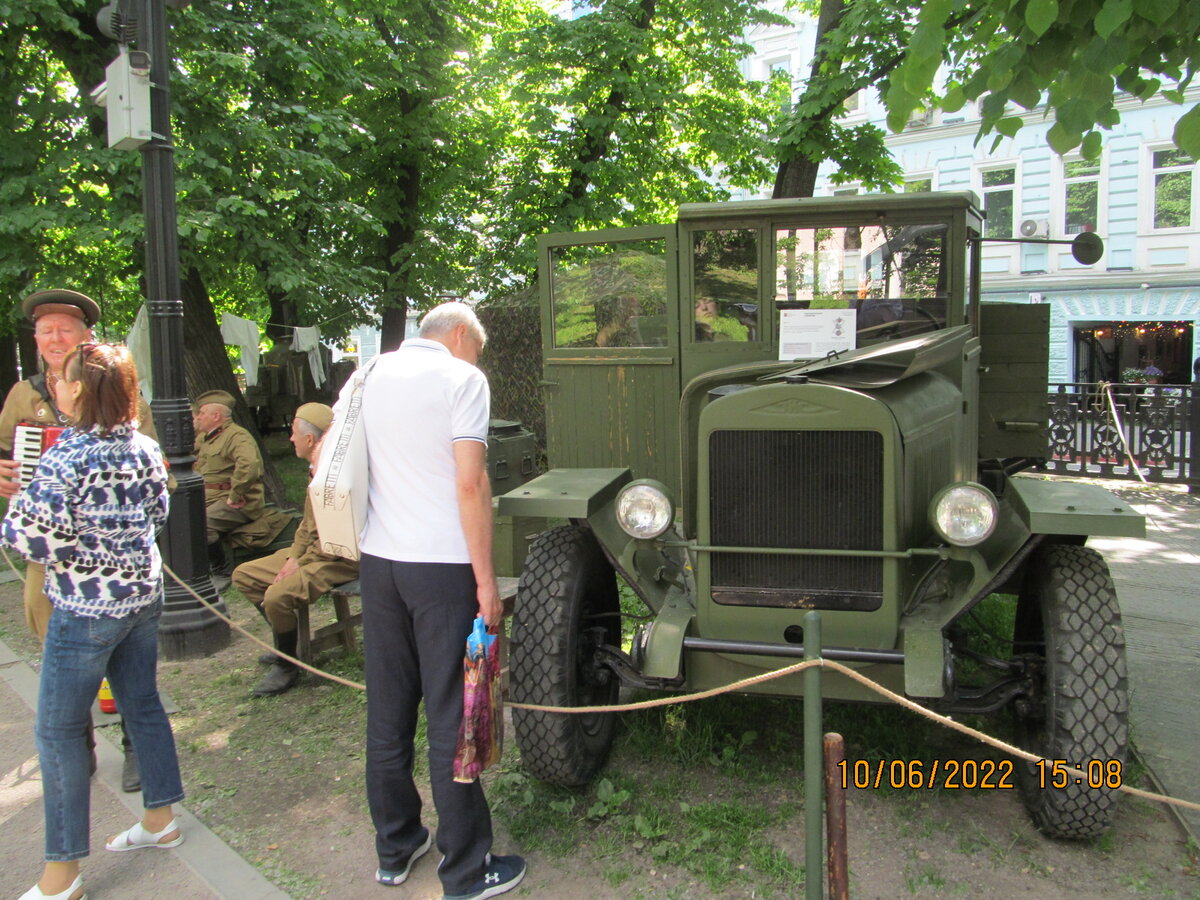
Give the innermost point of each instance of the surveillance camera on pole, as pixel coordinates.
(125, 94)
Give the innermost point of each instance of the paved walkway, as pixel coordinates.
(202, 868)
(1158, 584)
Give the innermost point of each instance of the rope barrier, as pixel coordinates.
(1106, 388)
(740, 685)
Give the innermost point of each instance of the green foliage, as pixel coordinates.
(338, 159)
(1072, 55)
(615, 117)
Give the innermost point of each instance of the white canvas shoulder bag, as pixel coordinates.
(338, 489)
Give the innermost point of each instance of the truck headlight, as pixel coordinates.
(964, 514)
(644, 510)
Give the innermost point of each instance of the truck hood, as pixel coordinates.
(883, 364)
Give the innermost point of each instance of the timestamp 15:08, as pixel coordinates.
(1092, 773)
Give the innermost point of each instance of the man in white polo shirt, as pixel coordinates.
(426, 572)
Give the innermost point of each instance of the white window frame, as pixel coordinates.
(930, 176)
(1058, 227)
(993, 165)
(1148, 187)
(859, 111)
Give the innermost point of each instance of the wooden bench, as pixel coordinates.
(341, 631)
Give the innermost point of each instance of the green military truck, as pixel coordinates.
(770, 407)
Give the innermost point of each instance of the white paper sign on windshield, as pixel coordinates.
(814, 333)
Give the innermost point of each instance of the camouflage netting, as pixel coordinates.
(513, 361)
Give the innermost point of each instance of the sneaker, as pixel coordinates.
(390, 878)
(503, 873)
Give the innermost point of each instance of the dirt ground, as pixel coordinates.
(281, 781)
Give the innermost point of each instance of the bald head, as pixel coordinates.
(455, 325)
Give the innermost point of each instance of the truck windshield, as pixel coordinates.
(889, 280)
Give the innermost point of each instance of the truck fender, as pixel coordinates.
(1070, 508)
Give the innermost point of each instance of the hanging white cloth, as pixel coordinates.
(308, 340)
(243, 333)
(138, 342)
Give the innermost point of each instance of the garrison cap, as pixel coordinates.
(317, 414)
(60, 300)
(223, 397)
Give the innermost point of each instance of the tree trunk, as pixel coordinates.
(398, 242)
(797, 175)
(207, 368)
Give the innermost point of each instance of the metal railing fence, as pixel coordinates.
(1096, 428)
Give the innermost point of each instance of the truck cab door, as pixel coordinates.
(610, 340)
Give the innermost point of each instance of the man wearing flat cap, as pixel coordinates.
(295, 577)
(62, 320)
(234, 499)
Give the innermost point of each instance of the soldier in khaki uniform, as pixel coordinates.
(62, 320)
(295, 577)
(228, 458)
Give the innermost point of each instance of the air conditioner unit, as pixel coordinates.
(1034, 228)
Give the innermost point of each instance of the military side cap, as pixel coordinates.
(223, 397)
(317, 414)
(60, 300)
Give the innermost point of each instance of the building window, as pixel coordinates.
(1173, 174)
(781, 69)
(921, 117)
(1081, 181)
(999, 186)
(919, 185)
(853, 103)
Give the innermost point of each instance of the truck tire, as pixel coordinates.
(1068, 614)
(567, 589)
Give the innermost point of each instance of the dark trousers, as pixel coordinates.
(416, 617)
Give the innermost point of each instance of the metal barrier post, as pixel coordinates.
(1193, 479)
(814, 774)
(835, 817)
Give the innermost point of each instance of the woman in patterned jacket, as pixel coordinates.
(91, 514)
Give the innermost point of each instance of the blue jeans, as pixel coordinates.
(77, 654)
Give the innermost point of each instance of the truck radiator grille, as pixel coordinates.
(808, 489)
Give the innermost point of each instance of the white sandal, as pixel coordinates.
(138, 837)
(35, 892)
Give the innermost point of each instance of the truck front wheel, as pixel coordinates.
(566, 606)
(1068, 620)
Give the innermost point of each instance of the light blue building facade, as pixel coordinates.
(1136, 309)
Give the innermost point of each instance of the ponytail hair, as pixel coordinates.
(110, 387)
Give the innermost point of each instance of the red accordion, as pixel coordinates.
(29, 443)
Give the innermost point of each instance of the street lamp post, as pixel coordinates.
(188, 628)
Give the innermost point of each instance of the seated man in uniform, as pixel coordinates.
(297, 576)
(228, 458)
